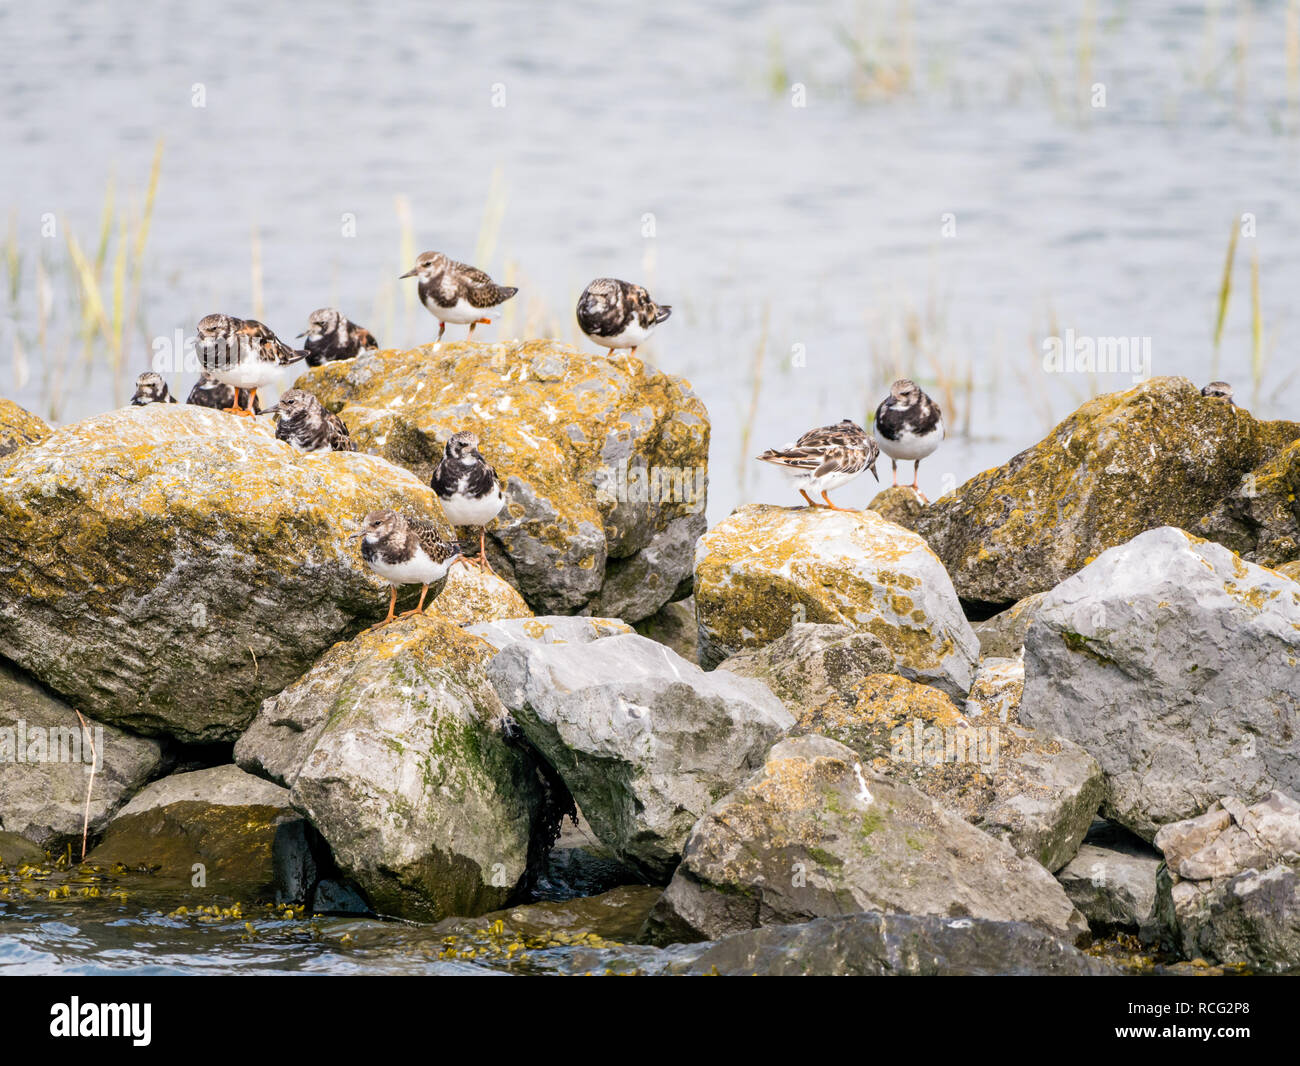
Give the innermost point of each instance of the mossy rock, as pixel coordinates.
(472, 597)
(166, 568)
(1159, 454)
(604, 470)
(19, 428)
(1260, 520)
(764, 569)
(410, 773)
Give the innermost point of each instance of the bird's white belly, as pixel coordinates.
(462, 313)
(911, 445)
(805, 479)
(632, 337)
(420, 570)
(467, 511)
(253, 374)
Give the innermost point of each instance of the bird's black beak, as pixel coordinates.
(872, 468)
(409, 274)
(301, 335)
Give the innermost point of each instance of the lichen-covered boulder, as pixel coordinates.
(645, 741)
(396, 749)
(547, 629)
(1159, 454)
(220, 833)
(46, 757)
(1291, 570)
(1037, 793)
(604, 470)
(900, 505)
(166, 568)
(1230, 889)
(470, 596)
(19, 428)
(814, 833)
(1260, 518)
(764, 568)
(813, 663)
(1177, 666)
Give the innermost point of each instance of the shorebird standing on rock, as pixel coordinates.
(405, 550)
(151, 388)
(468, 488)
(304, 423)
(909, 425)
(244, 354)
(826, 458)
(330, 337)
(457, 293)
(616, 314)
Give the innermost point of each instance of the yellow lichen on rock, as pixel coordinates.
(19, 428)
(598, 464)
(471, 596)
(766, 568)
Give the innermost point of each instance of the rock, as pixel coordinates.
(1177, 666)
(1037, 793)
(548, 629)
(426, 803)
(813, 663)
(471, 597)
(45, 762)
(812, 833)
(673, 625)
(765, 568)
(19, 428)
(900, 505)
(879, 945)
(1260, 518)
(1291, 570)
(169, 567)
(645, 741)
(616, 915)
(604, 471)
(234, 831)
(16, 850)
(997, 690)
(1003, 635)
(1230, 890)
(1159, 454)
(1112, 880)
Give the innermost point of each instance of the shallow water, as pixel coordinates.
(822, 221)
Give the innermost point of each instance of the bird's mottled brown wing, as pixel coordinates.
(336, 434)
(429, 535)
(795, 458)
(839, 459)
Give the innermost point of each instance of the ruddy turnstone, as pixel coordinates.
(909, 425)
(243, 353)
(330, 336)
(826, 458)
(304, 423)
(454, 292)
(468, 488)
(616, 314)
(151, 388)
(1221, 389)
(209, 392)
(405, 550)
